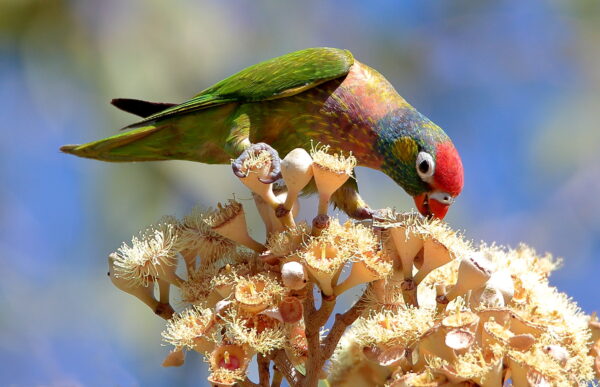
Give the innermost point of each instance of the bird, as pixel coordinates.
(317, 95)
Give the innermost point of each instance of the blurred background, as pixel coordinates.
(515, 84)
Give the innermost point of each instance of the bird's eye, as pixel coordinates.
(425, 166)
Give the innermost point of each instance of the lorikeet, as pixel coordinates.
(317, 95)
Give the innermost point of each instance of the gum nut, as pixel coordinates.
(521, 342)
(518, 326)
(474, 271)
(488, 297)
(290, 309)
(435, 254)
(391, 355)
(296, 169)
(175, 358)
(459, 340)
(273, 313)
(293, 275)
(371, 353)
(464, 320)
(232, 225)
(221, 306)
(328, 181)
(557, 352)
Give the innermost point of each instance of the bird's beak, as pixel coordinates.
(433, 204)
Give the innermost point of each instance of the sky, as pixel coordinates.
(516, 85)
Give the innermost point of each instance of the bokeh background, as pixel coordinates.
(516, 84)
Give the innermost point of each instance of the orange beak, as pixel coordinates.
(431, 207)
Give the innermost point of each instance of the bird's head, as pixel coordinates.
(420, 157)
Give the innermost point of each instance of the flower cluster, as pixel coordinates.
(435, 310)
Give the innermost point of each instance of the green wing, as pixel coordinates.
(194, 136)
(279, 77)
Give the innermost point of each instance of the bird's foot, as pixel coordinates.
(275, 173)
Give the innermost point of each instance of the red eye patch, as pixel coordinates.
(449, 175)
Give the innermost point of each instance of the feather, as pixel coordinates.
(140, 108)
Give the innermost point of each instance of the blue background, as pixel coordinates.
(516, 84)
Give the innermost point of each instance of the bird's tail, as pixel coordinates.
(135, 145)
(196, 136)
(140, 108)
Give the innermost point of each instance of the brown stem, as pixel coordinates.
(409, 292)
(277, 377)
(164, 289)
(248, 383)
(263, 370)
(284, 366)
(342, 321)
(311, 329)
(322, 315)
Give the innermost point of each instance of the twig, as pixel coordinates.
(285, 367)
(322, 315)
(409, 292)
(311, 328)
(248, 383)
(263, 370)
(342, 321)
(277, 377)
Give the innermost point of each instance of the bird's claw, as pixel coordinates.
(274, 173)
(236, 165)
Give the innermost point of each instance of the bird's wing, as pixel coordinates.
(279, 77)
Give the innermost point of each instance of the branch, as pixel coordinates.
(277, 377)
(263, 370)
(248, 383)
(311, 329)
(342, 321)
(321, 316)
(285, 367)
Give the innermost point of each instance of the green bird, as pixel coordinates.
(316, 95)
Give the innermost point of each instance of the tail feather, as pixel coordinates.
(121, 147)
(140, 108)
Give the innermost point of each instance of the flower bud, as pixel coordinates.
(175, 358)
(290, 309)
(296, 170)
(557, 352)
(293, 275)
(459, 340)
